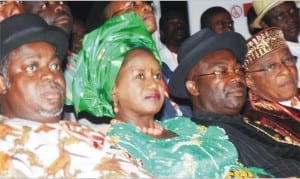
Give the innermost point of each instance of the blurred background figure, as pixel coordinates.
(75, 44)
(55, 13)
(173, 29)
(142, 8)
(218, 19)
(251, 15)
(10, 8)
(283, 14)
(102, 10)
(78, 32)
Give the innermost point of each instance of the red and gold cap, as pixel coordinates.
(264, 42)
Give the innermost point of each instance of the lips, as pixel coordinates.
(288, 84)
(180, 32)
(238, 91)
(52, 94)
(62, 19)
(153, 96)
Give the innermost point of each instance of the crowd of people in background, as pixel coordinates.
(96, 97)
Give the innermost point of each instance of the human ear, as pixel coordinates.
(3, 88)
(114, 93)
(114, 99)
(192, 87)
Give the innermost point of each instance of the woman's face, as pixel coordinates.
(143, 9)
(139, 88)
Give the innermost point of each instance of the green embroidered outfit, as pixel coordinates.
(196, 152)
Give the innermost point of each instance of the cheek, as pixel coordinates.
(126, 92)
(162, 91)
(62, 82)
(48, 18)
(262, 83)
(140, 12)
(21, 92)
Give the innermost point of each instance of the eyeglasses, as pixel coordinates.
(133, 5)
(223, 73)
(288, 62)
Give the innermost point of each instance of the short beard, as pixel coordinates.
(53, 113)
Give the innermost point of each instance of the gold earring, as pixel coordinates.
(116, 109)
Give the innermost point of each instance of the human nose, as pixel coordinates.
(47, 74)
(284, 68)
(180, 24)
(237, 77)
(293, 19)
(152, 83)
(60, 7)
(228, 27)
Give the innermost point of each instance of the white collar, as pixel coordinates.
(289, 104)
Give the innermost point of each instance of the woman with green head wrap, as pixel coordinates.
(119, 76)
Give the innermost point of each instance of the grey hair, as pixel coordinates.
(4, 70)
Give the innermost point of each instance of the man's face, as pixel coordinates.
(275, 78)
(222, 94)
(78, 33)
(286, 16)
(53, 12)
(175, 29)
(10, 8)
(143, 9)
(36, 86)
(221, 22)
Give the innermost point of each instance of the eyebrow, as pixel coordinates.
(217, 64)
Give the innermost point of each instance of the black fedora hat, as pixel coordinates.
(25, 28)
(196, 47)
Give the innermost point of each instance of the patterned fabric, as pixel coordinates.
(66, 149)
(197, 151)
(279, 122)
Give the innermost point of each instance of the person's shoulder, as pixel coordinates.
(3, 118)
(103, 128)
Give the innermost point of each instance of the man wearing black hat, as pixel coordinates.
(24, 72)
(34, 142)
(211, 76)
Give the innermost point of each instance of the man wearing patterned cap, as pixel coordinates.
(273, 107)
(283, 14)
